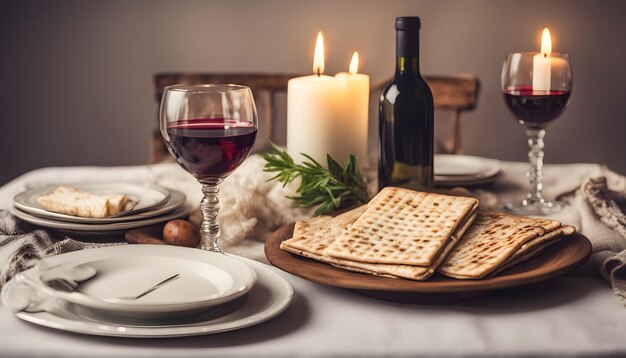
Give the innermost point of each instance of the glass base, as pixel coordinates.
(211, 247)
(536, 208)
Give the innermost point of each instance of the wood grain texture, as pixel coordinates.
(568, 254)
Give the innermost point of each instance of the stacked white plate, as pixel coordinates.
(154, 204)
(465, 170)
(212, 292)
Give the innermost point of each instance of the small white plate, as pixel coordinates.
(99, 229)
(147, 196)
(269, 297)
(453, 170)
(175, 200)
(205, 279)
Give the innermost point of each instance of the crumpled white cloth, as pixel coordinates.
(251, 206)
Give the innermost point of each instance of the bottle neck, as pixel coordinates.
(407, 51)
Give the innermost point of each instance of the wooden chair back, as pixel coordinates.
(265, 88)
(457, 93)
(450, 93)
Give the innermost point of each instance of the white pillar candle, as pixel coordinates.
(542, 64)
(354, 123)
(327, 115)
(313, 113)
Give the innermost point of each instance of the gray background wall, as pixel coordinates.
(76, 76)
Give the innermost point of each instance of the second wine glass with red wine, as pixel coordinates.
(210, 130)
(536, 88)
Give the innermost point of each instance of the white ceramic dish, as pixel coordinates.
(451, 170)
(99, 229)
(175, 200)
(149, 198)
(269, 297)
(206, 279)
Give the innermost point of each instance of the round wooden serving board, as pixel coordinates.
(569, 253)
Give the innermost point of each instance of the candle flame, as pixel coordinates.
(318, 58)
(354, 64)
(546, 42)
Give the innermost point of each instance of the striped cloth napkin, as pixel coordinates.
(609, 208)
(22, 244)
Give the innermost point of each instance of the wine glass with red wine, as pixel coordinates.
(536, 89)
(210, 130)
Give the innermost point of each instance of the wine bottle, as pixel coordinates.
(406, 117)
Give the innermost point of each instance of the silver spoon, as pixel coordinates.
(169, 279)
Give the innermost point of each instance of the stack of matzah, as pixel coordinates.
(498, 241)
(401, 233)
(409, 234)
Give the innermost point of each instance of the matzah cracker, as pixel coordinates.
(549, 236)
(316, 234)
(402, 226)
(535, 246)
(310, 248)
(411, 272)
(491, 241)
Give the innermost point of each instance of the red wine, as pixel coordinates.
(406, 121)
(210, 147)
(536, 109)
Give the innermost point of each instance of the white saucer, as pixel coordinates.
(269, 297)
(452, 170)
(206, 279)
(100, 229)
(149, 197)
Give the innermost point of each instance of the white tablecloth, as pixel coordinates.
(572, 316)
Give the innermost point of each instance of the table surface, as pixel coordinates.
(572, 315)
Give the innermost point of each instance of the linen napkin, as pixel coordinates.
(22, 244)
(606, 206)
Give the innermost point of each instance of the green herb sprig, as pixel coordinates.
(329, 189)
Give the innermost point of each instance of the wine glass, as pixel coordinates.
(210, 130)
(536, 88)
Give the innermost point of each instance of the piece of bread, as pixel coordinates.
(495, 238)
(117, 202)
(71, 201)
(402, 226)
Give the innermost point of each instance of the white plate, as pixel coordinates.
(99, 229)
(175, 200)
(148, 197)
(269, 297)
(205, 279)
(453, 170)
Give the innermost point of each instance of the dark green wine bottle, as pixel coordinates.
(406, 117)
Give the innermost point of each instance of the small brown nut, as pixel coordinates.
(146, 235)
(181, 233)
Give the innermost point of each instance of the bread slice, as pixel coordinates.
(71, 201)
(117, 202)
(494, 238)
(402, 226)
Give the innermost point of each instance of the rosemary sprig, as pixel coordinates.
(328, 189)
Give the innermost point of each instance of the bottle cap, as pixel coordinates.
(408, 23)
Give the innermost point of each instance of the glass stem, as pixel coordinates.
(535, 172)
(210, 207)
